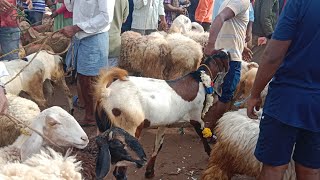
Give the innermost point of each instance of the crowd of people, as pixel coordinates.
(282, 36)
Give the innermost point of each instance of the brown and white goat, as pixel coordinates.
(134, 103)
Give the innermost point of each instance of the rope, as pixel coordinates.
(204, 65)
(17, 121)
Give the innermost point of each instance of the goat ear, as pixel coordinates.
(31, 146)
(51, 120)
(103, 163)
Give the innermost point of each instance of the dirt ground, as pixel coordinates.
(181, 158)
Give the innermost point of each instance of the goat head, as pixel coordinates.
(119, 148)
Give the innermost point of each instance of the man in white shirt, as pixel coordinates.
(228, 31)
(3, 99)
(145, 16)
(89, 51)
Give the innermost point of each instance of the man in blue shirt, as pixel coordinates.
(291, 119)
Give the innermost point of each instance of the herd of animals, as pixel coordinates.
(128, 100)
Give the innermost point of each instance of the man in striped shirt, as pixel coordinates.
(35, 15)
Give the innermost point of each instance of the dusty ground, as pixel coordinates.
(181, 158)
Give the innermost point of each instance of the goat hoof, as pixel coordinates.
(149, 174)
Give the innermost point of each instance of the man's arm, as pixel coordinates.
(169, 7)
(138, 4)
(216, 26)
(271, 60)
(265, 18)
(249, 32)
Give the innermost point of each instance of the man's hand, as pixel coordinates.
(70, 31)
(181, 10)
(5, 6)
(3, 102)
(209, 50)
(247, 54)
(253, 103)
(163, 25)
(54, 14)
(262, 41)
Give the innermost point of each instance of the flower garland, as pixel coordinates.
(206, 80)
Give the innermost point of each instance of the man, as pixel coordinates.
(145, 16)
(291, 116)
(228, 31)
(35, 14)
(3, 99)
(89, 53)
(266, 15)
(121, 11)
(9, 31)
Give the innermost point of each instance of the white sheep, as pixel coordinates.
(159, 55)
(57, 125)
(134, 103)
(193, 30)
(234, 151)
(47, 164)
(52, 66)
(20, 108)
(33, 78)
(30, 81)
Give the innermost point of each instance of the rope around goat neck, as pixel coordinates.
(204, 65)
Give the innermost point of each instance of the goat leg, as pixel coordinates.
(197, 127)
(157, 147)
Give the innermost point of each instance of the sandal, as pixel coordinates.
(75, 101)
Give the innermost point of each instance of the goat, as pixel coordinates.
(134, 103)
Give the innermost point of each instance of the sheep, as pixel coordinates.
(134, 103)
(20, 108)
(32, 79)
(48, 164)
(52, 66)
(247, 78)
(56, 124)
(233, 153)
(171, 56)
(193, 30)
